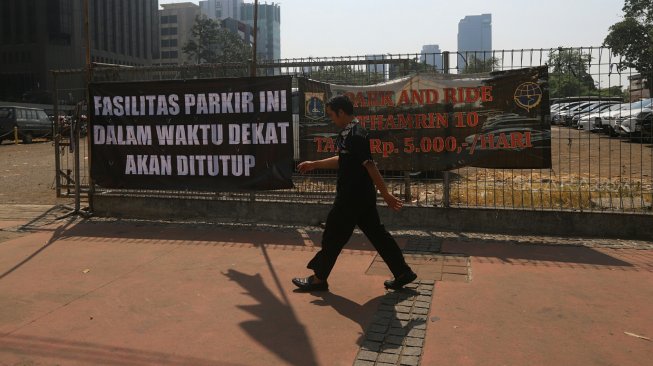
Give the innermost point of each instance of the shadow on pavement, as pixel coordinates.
(359, 313)
(538, 255)
(57, 234)
(277, 327)
(192, 233)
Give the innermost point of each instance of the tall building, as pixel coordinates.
(176, 23)
(36, 39)
(222, 9)
(637, 88)
(431, 55)
(244, 31)
(474, 38)
(268, 37)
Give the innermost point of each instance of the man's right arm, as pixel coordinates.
(328, 163)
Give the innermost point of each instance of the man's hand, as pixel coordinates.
(393, 202)
(306, 166)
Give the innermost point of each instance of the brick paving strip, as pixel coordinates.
(396, 335)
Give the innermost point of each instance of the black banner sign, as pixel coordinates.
(219, 134)
(440, 122)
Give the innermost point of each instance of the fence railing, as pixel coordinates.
(592, 170)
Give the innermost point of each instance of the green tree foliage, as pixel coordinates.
(632, 38)
(614, 92)
(568, 75)
(213, 44)
(346, 74)
(475, 65)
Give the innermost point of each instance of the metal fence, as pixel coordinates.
(591, 171)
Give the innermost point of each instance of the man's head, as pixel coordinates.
(340, 110)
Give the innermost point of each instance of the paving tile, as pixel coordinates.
(397, 331)
(371, 346)
(367, 355)
(409, 361)
(394, 340)
(363, 363)
(421, 311)
(394, 349)
(423, 298)
(419, 333)
(377, 328)
(373, 336)
(411, 351)
(414, 342)
(402, 309)
(388, 358)
(403, 316)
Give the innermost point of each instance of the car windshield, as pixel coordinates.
(638, 105)
(590, 107)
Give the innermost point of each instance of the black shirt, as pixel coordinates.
(354, 182)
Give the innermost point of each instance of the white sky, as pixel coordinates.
(361, 27)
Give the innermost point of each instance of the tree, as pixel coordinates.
(632, 38)
(568, 74)
(213, 44)
(475, 65)
(346, 74)
(613, 91)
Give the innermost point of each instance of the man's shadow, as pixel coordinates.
(377, 315)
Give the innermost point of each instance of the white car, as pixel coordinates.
(611, 121)
(629, 118)
(592, 121)
(556, 113)
(592, 108)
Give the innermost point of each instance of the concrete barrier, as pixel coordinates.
(501, 221)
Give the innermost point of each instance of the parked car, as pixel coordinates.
(564, 117)
(611, 121)
(556, 114)
(592, 121)
(30, 123)
(629, 119)
(644, 129)
(594, 107)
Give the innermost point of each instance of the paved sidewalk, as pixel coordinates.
(112, 292)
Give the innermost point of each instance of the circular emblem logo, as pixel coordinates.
(528, 95)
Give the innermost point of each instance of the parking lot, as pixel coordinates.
(28, 173)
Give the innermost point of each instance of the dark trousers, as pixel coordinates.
(340, 224)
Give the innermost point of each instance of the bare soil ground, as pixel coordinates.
(27, 173)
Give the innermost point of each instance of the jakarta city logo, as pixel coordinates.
(528, 95)
(314, 105)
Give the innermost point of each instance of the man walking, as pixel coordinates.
(355, 203)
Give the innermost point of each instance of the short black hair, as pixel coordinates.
(341, 103)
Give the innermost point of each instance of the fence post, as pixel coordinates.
(446, 187)
(55, 135)
(408, 196)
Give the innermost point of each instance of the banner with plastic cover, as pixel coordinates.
(439, 122)
(213, 134)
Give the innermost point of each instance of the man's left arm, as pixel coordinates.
(392, 201)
